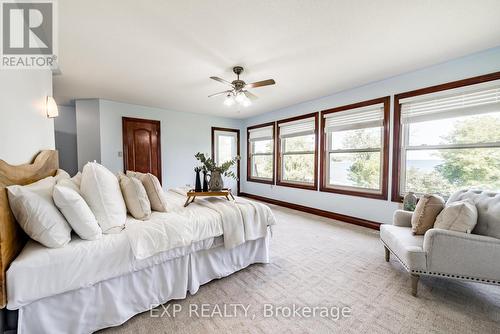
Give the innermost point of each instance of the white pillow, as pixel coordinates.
(69, 183)
(61, 174)
(77, 179)
(101, 191)
(136, 198)
(77, 212)
(460, 216)
(153, 189)
(37, 215)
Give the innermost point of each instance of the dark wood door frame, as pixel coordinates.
(237, 131)
(125, 142)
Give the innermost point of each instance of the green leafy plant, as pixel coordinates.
(209, 165)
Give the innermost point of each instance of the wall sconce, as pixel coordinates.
(51, 105)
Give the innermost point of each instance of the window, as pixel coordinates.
(354, 149)
(448, 138)
(260, 166)
(297, 148)
(226, 146)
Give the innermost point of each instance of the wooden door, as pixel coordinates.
(142, 146)
(225, 146)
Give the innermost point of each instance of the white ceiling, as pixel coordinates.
(161, 53)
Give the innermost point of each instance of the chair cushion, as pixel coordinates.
(405, 245)
(488, 210)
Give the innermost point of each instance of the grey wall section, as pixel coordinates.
(99, 133)
(24, 126)
(376, 210)
(88, 135)
(65, 136)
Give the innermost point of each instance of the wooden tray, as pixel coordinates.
(191, 195)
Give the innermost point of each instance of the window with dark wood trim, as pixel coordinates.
(417, 107)
(355, 149)
(297, 152)
(261, 143)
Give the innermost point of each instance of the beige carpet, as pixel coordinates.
(320, 262)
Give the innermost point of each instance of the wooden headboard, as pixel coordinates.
(12, 237)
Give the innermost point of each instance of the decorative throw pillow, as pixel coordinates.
(136, 198)
(34, 209)
(76, 211)
(460, 216)
(426, 211)
(153, 189)
(101, 191)
(61, 174)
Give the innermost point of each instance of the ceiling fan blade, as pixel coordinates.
(250, 95)
(222, 81)
(220, 93)
(260, 83)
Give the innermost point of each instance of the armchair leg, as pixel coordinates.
(414, 284)
(387, 254)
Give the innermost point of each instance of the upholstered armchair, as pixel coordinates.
(443, 253)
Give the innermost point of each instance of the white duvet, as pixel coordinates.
(238, 221)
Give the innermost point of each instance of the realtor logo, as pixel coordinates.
(28, 34)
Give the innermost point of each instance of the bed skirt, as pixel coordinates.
(114, 301)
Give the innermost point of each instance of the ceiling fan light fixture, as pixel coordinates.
(240, 97)
(238, 94)
(229, 101)
(246, 102)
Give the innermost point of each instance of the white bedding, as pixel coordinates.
(40, 272)
(242, 220)
(239, 221)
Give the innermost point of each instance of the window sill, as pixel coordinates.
(251, 179)
(367, 194)
(298, 185)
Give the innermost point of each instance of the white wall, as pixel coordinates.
(65, 137)
(88, 137)
(25, 128)
(376, 210)
(182, 136)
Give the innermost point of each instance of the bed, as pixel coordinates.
(89, 285)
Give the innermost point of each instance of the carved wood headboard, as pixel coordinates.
(12, 237)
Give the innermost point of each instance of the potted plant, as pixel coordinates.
(216, 172)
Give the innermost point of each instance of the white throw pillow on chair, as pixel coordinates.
(34, 209)
(101, 191)
(460, 216)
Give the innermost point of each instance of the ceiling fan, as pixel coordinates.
(238, 92)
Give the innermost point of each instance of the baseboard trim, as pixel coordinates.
(323, 213)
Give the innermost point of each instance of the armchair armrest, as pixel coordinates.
(402, 218)
(462, 254)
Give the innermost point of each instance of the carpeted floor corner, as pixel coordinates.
(320, 262)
